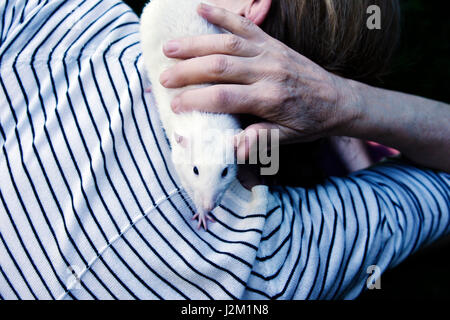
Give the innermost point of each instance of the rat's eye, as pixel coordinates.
(224, 172)
(195, 171)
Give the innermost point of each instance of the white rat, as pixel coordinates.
(201, 143)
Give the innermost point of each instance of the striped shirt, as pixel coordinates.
(91, 207)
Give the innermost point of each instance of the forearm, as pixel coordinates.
(416, 126)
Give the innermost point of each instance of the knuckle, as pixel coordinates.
(276, 96)
(280, 63)
(276, 71)
(233, 43)
(221, 98)
(279, 68)
(284, 74)
(219, 65)
(246, 24)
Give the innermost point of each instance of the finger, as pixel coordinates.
(246, 142)
(204, 45)
(232, 22)
(210, 69)
(224, 98)
(261, 136)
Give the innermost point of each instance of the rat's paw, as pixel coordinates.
(202, 219)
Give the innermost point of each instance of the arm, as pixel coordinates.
(416, 126)
(376, 217)
(261, 76)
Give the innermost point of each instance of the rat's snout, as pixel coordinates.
(210, 202)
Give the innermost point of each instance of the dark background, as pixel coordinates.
(421, 66)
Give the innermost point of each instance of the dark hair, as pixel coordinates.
(334, 34)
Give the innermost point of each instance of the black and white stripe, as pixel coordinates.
(87, 186)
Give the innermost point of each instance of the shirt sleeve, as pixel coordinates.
(338, 238)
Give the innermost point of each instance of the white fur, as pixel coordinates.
(164, 20)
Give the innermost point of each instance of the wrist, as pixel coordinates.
(349, 109)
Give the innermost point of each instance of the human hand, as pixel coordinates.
(255, 74)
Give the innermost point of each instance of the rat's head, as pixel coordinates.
(206, 167)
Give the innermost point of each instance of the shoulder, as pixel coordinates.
(69, 30)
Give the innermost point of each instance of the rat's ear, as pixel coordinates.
(181, 140)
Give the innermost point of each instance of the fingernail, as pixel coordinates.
(164, 78)
(171, 46)
(205, 7)
(176, 104)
